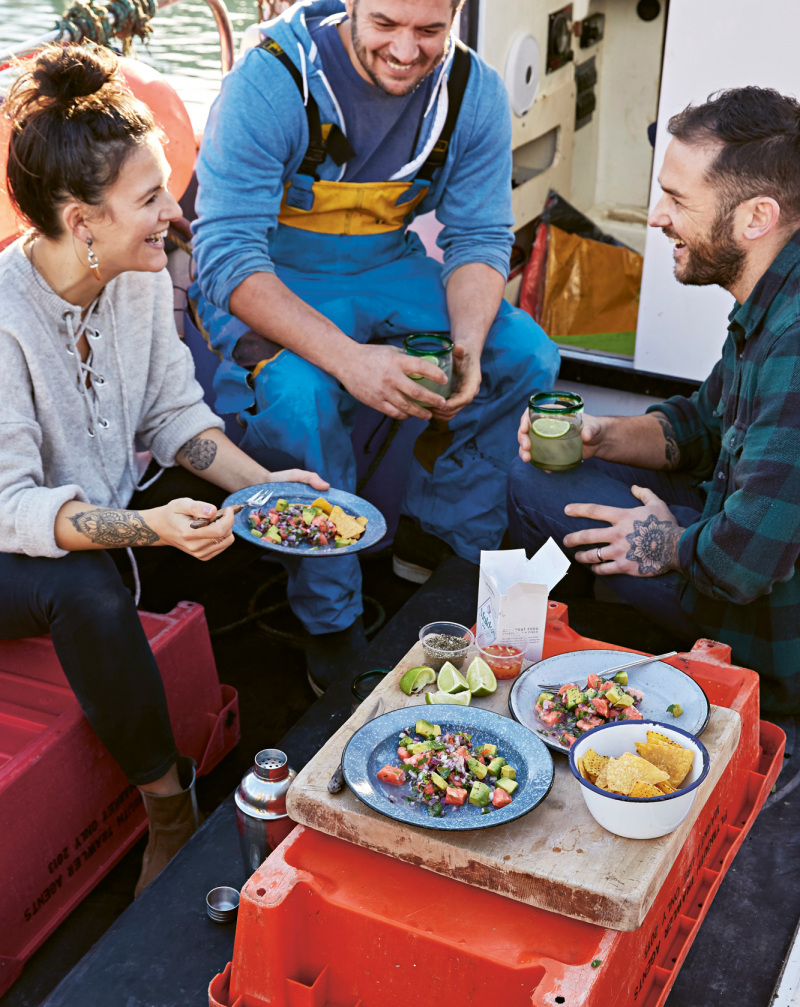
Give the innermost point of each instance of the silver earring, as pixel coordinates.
(94, 265)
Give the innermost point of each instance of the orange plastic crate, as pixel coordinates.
(324, 923)
(67, 812)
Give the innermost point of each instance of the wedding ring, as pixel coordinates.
(599, 557)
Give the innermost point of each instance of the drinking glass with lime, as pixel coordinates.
(555, 431)
(434, 349)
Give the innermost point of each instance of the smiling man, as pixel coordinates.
(694, 509)
(326, 141)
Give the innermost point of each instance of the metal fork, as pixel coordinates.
(610, 672)
(256, 500)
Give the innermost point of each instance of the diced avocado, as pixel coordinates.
(438, 781)
(508, 773)
(613, 694)
(496, 765)
(406, 741)
(273, 534)
(487, 749)
(544, 696)
(477, 768)
(508, 785)
(340, 543)
(480, 794)
(426, 729)
(590, 694)
(624, 700)
(675, 709)
(281, 505)
(621, 678)
(255, 533)
(308, 515)
(419, 746)
(572, 697)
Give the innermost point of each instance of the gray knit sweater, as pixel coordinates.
(61, 440)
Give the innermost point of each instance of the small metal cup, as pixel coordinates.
(222, 904)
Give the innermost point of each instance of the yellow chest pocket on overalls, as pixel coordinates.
(354, 207)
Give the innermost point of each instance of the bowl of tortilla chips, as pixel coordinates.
(639, 778)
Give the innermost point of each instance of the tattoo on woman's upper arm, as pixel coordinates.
(114, 529)
(199, 452)
(672, 452)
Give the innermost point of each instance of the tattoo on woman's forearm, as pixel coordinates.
(199, 452)
(114, 529)
(653, 546)
(672, 453)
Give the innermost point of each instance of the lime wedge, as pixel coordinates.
(440, 698)
(450, 679)
(480, 678)
(550, 428)
(415, 679)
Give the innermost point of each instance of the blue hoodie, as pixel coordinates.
(257, 134)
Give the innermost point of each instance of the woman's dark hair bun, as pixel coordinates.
(65, 79)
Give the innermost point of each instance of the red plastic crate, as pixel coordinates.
(67, 812)
(326, 923)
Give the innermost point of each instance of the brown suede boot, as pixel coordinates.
(173, 819)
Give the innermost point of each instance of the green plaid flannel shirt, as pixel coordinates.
(739, 435)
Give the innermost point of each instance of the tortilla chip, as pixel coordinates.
(641, 789)
(675, 760)
(593, 763)
(346, 526)
(581, 770)
(624, 772)
(323, 505)
(654, 738)
(364, 521)
(665, 788)
(602, 778)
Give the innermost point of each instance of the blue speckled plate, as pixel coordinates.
(661, 684)
(375, 744)
(302, 493)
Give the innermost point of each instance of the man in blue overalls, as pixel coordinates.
(349, 119)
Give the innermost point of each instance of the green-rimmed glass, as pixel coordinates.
(555, 433)
(436, 349)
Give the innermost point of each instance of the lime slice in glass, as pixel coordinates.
(480, 678)
(440, 698)
(450, 679)
(415, 679)
(550, 428)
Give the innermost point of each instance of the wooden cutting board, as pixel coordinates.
(556, 857)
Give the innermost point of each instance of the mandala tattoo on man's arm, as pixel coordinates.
(114, 529)
(653, 546)
(199, 452)
(672, 452)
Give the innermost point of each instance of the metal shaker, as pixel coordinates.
(261, 816)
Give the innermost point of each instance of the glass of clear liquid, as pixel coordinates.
(555, 433)
(435, 349)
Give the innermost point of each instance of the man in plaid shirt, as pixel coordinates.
(712, 548)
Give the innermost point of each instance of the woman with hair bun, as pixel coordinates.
(92, 365)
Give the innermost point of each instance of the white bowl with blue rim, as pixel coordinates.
(638, 817)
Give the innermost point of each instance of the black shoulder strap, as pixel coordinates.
(336, 144)
(456, 86)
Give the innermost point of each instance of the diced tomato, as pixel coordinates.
(594, 681)
(455, 795)
(631, 713)
(283, 534)
(429, 789)
(323, 540)
(635, 693)
(414, 760)
(392, 774)
(500, 798)
(606, 686)
(403, 752)
(601, 705)
(482, 760)
(563, 690)
(567, 739)
(462, 751)
(552, 717)
(273, 517)
(587, 723)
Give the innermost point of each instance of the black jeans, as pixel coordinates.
(84, 601)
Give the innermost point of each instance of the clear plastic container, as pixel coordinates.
(445, 641)
(504, 659)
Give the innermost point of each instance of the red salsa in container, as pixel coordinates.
(504, 660)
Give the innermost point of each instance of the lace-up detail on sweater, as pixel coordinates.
(85, 374)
